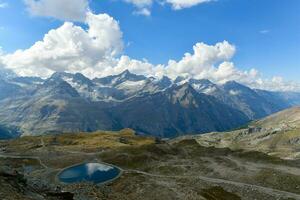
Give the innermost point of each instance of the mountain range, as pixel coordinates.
(162, 107)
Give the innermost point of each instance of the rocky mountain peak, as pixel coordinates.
(114, 80)
(183, 94)
(81, 79)
(201, 81)
(179, 79)
(234, 85)
(236, 89)
(60, 75)
(56, 85)
(127, 75)
(164, 82)
(203, 85)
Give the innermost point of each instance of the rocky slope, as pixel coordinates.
(278, 134)
(177, 111)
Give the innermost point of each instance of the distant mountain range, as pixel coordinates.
(160, 107)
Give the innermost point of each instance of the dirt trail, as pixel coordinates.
(24, 157)
(262, 189)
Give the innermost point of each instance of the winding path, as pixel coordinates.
(208, 179)
(24, 157)
(222, 181)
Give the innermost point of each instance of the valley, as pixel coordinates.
(150, 169)
(165, 136)
(149, 100)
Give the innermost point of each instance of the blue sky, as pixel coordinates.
(266, 33)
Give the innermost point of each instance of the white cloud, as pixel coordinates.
(143, 11)
(265, 31)
(3, 4)
(143, 6)
(109, 66)
(180, 4)
(201, 63)
(97, 51)
(70, 10)
(213, 62)
(276, 83)
(140, 3)
(75, 10)
(69, 48)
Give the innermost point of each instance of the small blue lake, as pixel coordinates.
(89, 172)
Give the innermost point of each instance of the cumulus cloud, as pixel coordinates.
(69, 48)
(97, 51)
(75, 10)
(202, 62)
(180, 4)
(213, 62)
(70, 10)
(143, 11)
(140, 3)
(276, 83)
(143, 6)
